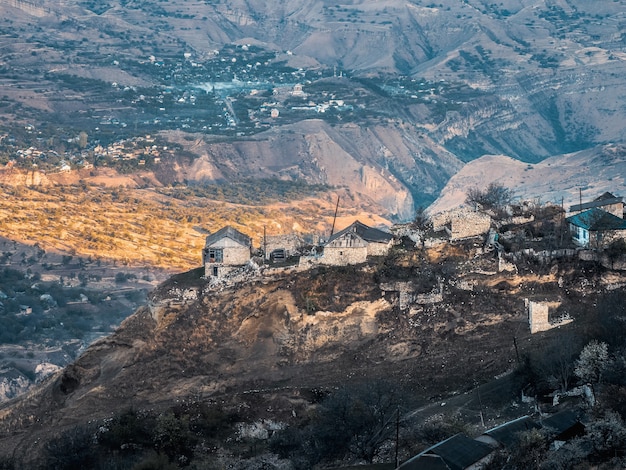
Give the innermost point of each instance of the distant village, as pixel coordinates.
(143, 151)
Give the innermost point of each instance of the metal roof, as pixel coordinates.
(457, 452)
(367, 233)
(597, 220)
(562, 421)
(603, 200)
(229, 232)
(507, 433)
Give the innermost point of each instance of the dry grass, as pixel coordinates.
(143, 227)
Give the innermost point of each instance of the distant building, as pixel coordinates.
(596, 228)
(297, 90)
(225, 250)
(606, 202)
(355, 243)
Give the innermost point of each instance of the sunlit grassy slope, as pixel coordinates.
(159, 227)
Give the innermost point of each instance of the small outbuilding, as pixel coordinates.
(225, 250)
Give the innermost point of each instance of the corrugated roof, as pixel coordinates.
(367, 233)
(507, 433)
(229, 232)
(424, 462)
(603, 200)
(597, 220)
(562, 421)
(457, 452)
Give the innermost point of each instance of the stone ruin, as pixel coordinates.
(539, 316)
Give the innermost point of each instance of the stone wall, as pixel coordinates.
(461, 223)
(289, 242)
(407, 296)
(378, 249)
(342, 256)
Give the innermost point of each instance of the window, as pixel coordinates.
(215, 271)
(215, 255)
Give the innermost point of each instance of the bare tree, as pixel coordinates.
(495, 197)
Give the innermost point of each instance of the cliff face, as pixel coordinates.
(391, 167)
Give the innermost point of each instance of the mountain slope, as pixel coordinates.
(276, 337)
(523, 78)
(562, 179)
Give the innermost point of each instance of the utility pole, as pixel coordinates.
(397, 435)
(332, 230)
(480, 402)
(264, 245)
(580, 198)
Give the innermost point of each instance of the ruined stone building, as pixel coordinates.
(224, 251)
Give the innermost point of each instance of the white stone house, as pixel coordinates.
(596, 228)
(355, 243)
(224, 251)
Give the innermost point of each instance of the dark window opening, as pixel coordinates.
(215, 255)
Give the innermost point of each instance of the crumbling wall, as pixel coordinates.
(461, 223)
(288, 242)
(539, 316)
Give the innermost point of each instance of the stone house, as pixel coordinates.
(355, 243)
(224, 251)
(606, 202)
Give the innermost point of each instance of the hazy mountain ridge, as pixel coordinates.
(527, 79)
(563, 179)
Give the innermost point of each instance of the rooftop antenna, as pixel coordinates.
(332, 230)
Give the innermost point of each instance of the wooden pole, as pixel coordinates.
(332, 230)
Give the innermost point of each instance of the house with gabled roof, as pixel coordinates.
(355, 243)
(224, 251)
(596, 228)
(607, 202)
(458, 452)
